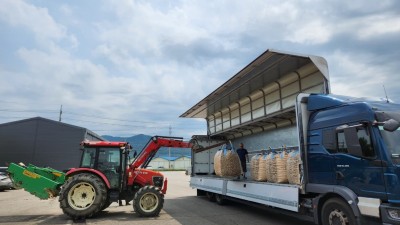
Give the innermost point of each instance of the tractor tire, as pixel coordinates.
(148, 201)
(337, 212)
(106, 205)
(82, 196)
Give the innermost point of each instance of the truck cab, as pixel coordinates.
(353, 144)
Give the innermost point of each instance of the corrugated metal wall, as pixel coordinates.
(42, 142)
(277, 138)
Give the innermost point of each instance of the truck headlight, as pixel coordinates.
(394, 213)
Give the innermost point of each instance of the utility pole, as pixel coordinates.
(59, 118)
(387, 99)
(169, 149)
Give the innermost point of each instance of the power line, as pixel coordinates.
(61, 112)
(27, 110)
(112, 124)
(100, 117)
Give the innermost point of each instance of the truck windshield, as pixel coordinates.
(392, 141)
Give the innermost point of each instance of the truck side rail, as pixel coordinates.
(274, 150)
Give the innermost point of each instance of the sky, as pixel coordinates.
(132, 67)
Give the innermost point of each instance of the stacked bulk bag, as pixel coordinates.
(231, 166)
(293, 168)
(227, 163)
(277, 167)
(269, 161)
(281, 161)
(258, 167)
(254, 166)
(217, 163)
(262, 168)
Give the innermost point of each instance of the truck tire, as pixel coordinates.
(210, 196)
(200, 192)
(148, 201)
(337, 212)
(82, 196)
(220, 199)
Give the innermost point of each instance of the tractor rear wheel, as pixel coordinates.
(82, 196)
(107, 203)
(148, 201)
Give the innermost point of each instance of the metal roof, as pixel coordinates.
(54, 122)
(266, 68)
(173, 158)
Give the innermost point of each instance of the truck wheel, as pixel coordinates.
(82, 196)
(210, 196)
(337, 212)
(200, 192)
(148, 201)
(220, 199)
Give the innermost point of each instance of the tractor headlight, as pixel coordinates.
(158, 181)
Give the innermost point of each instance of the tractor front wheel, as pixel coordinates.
(82, 196)
(148, 201)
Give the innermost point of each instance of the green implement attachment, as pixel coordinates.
(44, 183)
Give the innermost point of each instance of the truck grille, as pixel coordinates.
(158, 181)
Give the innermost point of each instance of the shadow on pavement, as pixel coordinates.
(193, 210)
(189, 210)
(34, 219)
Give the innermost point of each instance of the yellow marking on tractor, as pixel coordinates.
(30, 174)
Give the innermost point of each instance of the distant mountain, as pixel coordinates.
(139, 141)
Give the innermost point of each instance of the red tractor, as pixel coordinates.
(105, 175)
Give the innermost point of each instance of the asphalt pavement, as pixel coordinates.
(181, 207)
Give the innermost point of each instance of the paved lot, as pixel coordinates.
(181, 207)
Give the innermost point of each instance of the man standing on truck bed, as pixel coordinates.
(243, 156)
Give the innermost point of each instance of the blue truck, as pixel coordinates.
(349, 147)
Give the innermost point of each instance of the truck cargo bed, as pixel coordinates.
(285, 196)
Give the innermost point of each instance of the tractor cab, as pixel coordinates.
(110, 158)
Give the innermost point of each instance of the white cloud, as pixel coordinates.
(313, 32)
(359, 75)
(36, 19)
(152, 60)
(379, 25)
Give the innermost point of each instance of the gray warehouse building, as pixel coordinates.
(43, 142)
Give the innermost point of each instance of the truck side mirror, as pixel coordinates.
(352, 142)
(391, 125)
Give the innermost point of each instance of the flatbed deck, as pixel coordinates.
(285, 196)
